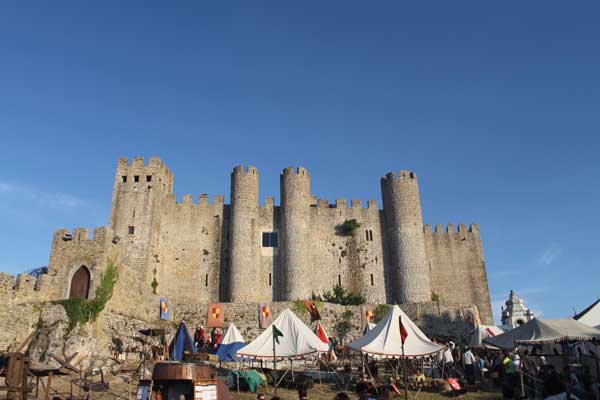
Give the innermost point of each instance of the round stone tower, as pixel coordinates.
(404, 231)
(295, 220)
(243, 235)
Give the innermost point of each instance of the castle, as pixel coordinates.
(199, 252)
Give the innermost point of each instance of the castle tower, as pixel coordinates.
(137, 192)
(404, 231)
(243, 235)
(295, 220)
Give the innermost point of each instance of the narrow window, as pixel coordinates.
(340, 280)
(269, 239)
(371, 234)
(375, 259)
(372, 280)
(124, 177)
(131, 230)
(269, 279)
(148, 178)
(206, 280)
(367, 233)
(133, 214)
(136, 178)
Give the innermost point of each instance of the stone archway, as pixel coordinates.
(80, 283)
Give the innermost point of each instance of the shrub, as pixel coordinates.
(80, 311)
(348, 227)
(340, 296)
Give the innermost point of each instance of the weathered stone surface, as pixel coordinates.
(202, 252)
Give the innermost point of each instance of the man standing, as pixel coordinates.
(447, 360)
(468, 360)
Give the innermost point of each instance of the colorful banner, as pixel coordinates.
(264, 315)
(367, 314)
(216, 315)
(165, 310)
(313, 310)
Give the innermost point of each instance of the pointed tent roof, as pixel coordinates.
(539, 331)
(231, 343)
(591, 315)
(368, 327)
(384, 339)
(297, 341)
(181, 342)
(484, 332)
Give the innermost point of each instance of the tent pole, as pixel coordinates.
(274, 366)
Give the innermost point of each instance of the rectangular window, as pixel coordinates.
(131, 230)
(269, 279)
(372, 280)
(340, 280)
(148, 178)
(206, 280)
(124, 177)
(136, 178)
(269, 239)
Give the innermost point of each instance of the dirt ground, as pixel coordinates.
(121, 389)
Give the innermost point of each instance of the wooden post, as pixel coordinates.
(48, 385)
(403, 362)
(274, 364)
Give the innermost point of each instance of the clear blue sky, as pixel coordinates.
(496, 106)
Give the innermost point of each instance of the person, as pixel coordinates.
(468, 360)
(199, 336)
(302, 392)
(447, 360)
(508, 376)
(260, 396)
(555, 389)
(213, 335)
(218, 337)
(529, 369)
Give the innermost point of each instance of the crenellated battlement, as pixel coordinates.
(295, 171)
(78, 235)
(269, 201)
(240, 169)
(450, 229)
(402, 174)
(201, 200)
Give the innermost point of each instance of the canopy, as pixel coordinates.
(591, 315)
(384, 339)
(484, 332)
(297, 340)
(231, 343)
(538, 331)
(181, 342)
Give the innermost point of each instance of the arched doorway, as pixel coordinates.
(80, 283)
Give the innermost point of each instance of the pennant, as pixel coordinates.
(403, 332)
(321, 333)
(264, 316)
(312, 309)
(490, 332)
(216, 315)
(276, 334)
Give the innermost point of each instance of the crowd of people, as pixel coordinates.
(207, 343)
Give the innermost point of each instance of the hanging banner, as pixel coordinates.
(313, 310)
(165, 310)
(367, 314)
(264, 315)
(216, 315)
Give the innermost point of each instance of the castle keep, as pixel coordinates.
(194, 252)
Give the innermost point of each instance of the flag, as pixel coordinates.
(164, 309)
(490, 332)
(276, 334)
(321, 333)
(216, 316)
(403, 332)
(312, 309)
(264, 315)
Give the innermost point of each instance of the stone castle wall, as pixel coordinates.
(196, 255)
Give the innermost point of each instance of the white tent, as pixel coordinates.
(231, 343)
(483, 332)
(297, 340)
(384, 339)
(591, 315)
(368, 327)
